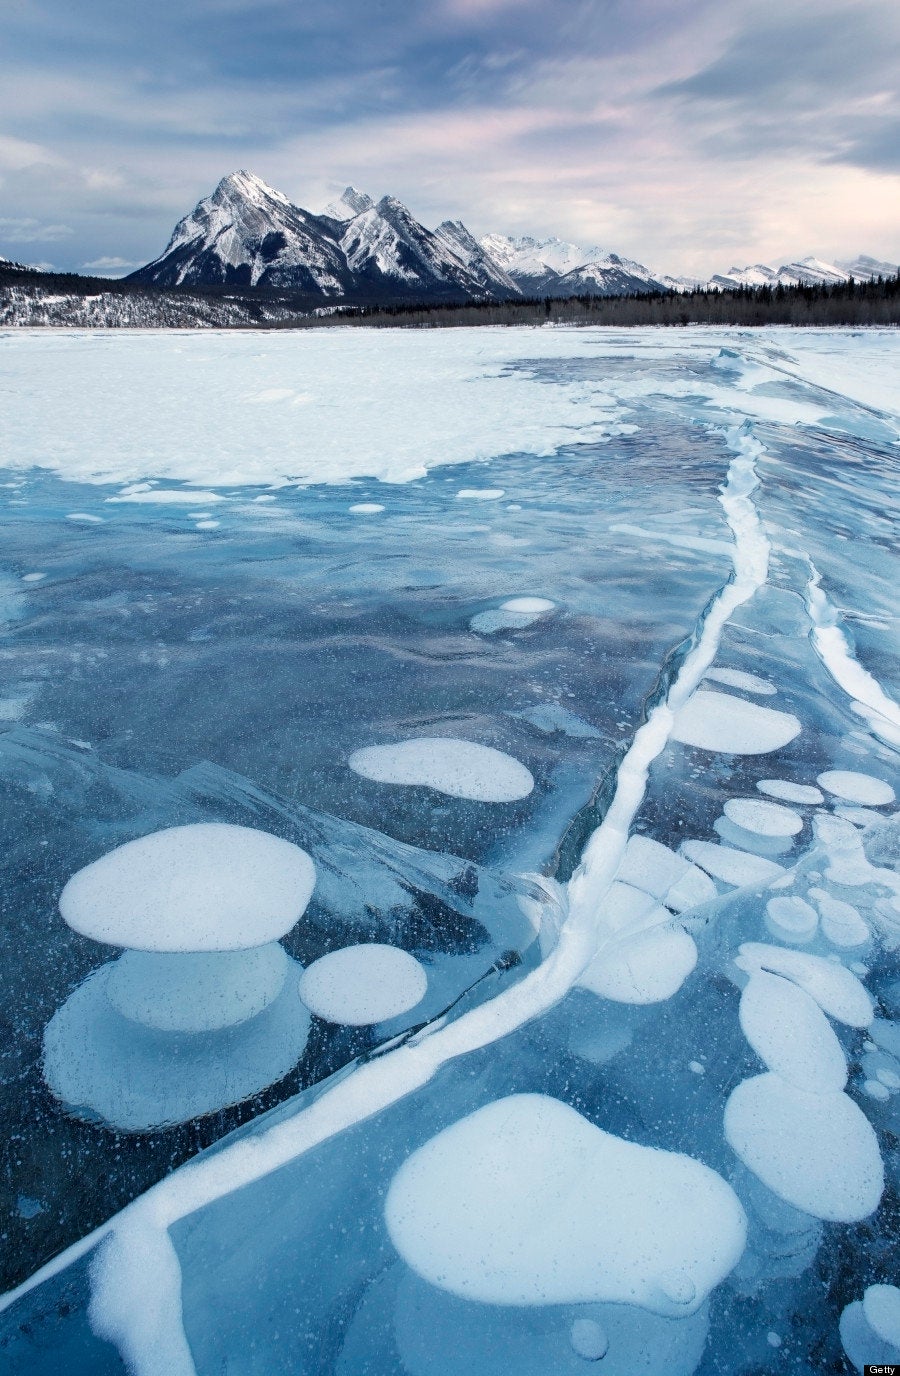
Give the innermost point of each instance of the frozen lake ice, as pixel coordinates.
(568, 661)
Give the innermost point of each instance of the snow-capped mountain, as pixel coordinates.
(808, 272)
(351, 202)
(386, 246)
(484, 268)
(554, 267)
(247, 234)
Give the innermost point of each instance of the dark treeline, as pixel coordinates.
(850, 303)
(58, 299)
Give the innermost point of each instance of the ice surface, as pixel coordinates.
(815, 1150)
(363, 984)
(204, 887)
(301, 630)
(475, 1214)
(766, 818)
(856, 787)
(462, 769)
(790, 792)
(790, 1033)
(723, 723)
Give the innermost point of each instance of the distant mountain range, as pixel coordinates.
(248, 235)
(359, 251)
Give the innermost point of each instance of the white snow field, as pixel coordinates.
(452, 853)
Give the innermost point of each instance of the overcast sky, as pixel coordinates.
(690, 134)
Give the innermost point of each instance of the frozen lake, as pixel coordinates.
(569, 660)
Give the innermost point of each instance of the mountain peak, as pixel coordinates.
(349, 204)
(246, 186)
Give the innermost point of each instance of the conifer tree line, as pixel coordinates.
(29, 297)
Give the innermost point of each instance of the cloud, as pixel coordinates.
(29, 231)
(110, 266)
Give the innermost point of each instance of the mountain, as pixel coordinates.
(388, 250)
(479, 262)
(808, 272)
(866, 269)
(554, 267)
(246, 234)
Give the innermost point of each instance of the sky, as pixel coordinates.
(689, 134)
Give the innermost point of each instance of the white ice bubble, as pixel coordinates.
(204, 887)
(791, 1035)
(817, 1151)
(168, 496)
(461, 769)
(736, 867)
(648, 967)
(207, 525)
(769, 819)
(365, 984)
(791, 919)
(137, 1078)
(856, 788)
(790, 792)
(739, 678)
(729, 725)
(874, 1089)
(512, 615)
(835, 989)
(529, 605)
(33, 577)
(588, 1340)
(366, 508)
(481, 494)
(84, 516)
(881, 1306)
(196, 991)
(842, 924)
(524, 1202)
